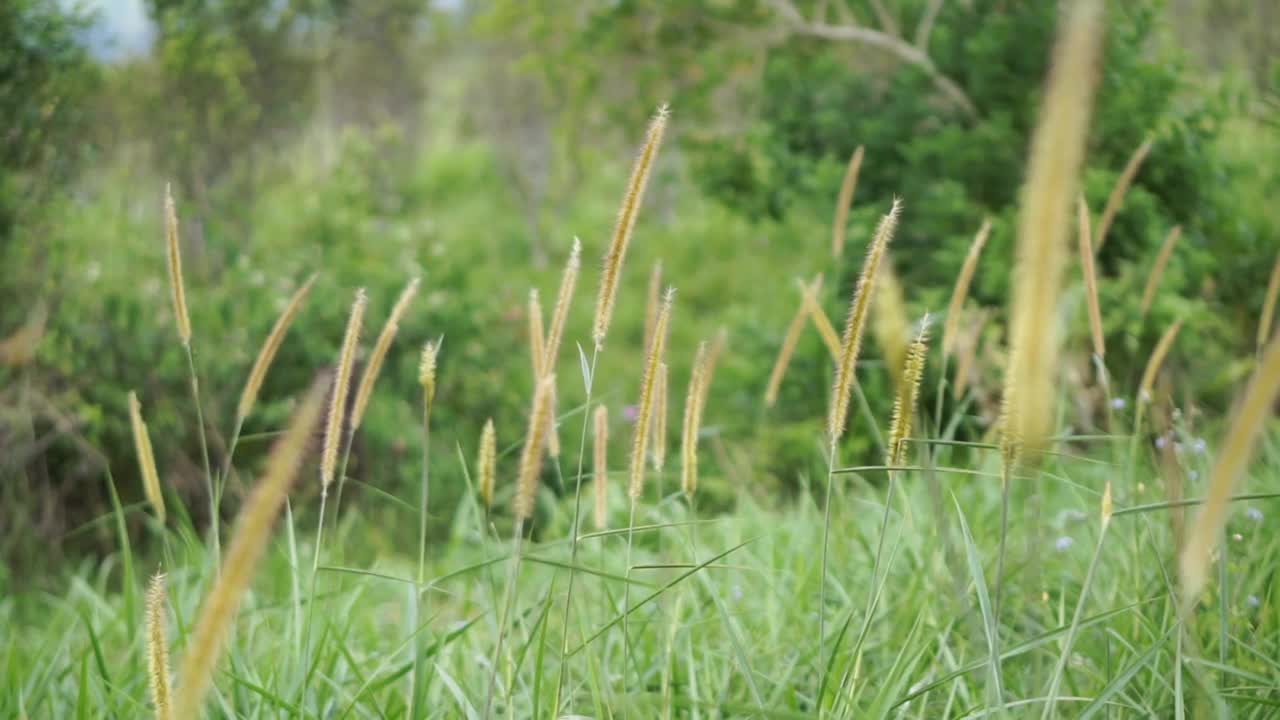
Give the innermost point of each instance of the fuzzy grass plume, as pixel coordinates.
(890, 323)
(338, 400)
(365, 390)
(908, 391)
(1232, 458)
(689, 428)
(843, 201)
(560, 314)
(177, 292)
(626, 222)
(146, 458)
(427, 374)
(267, 354)
(1090, 279)
(1057, 152)
(1116, 199)
(961, 290)
(968, 353)
(252, 532)
(851, 343)
(653, 300)
(659, 438)
(1156, 361)
(1269, 305)
(534, 444)
(600, 466)
(486, 464)
(788, 348)
(1157, 268)
(537, 337)
(644, 415)
(158, 650)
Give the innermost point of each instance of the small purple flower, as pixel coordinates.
(1253, 601)
(1064, 543)
(1118, 404)
(1198, 446)
(1161, 442)
(1253, 514)
(630, 412)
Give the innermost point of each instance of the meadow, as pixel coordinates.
(607, 550)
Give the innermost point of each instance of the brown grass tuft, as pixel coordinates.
(644, 415)
(961, 290)
(1090, 279)
(267, 353)
(146, 458)
(253, 530)
(1057, 152)
(158, 649)
(176, 290)
(843, 201)
(631, 200)
(534, 443)
(1157, 268)
(338, 401)
(1269, 305)
(1233, 456)
(380, 348)
(600, 466)
(486, 464)
(1116, 199)
(851, 343)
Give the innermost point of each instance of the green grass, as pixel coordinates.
(728, 630)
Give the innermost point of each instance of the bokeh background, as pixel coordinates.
(469, 141)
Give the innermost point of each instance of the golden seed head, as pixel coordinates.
(843, 201)
(660, 419)
(534, 443)
(600, 466)
(1106, 503)
(789, 341)
(365, 390)
(694, 397)
(146, 458)
(891, 326)
(908, 393)
(427, 373)
(1116, 199)
(1090, 280)
(560, 315)
(961, 290)
(158, 649)
(1162, 260)
(176, 290)
(537, 338)
(338, 401)
(486, 463)
(644, 415)
(626, 221)
(653, 300)
(855, 322)
(267, 353)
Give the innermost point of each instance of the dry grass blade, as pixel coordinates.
(961, 290)
(1157, 269)
(789, 341)
(1057, 152)
(1090, 280)
(365, 390)
(1232, 457)
(843, 201)
(534, 443)
(146, 458)
(890, 323)
(1269, 305)
(600, 466)
(338, 400)
(177, 292)
(158, 650)
(1116, 199)
(486, 464)
(968, 353)
(253, 530)
(267, 353)
(644, 415)
(851, 343)
(1156, 361)
(692, 417)
(631, 200)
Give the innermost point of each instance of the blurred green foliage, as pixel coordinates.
(377, 142)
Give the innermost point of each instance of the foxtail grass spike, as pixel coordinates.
(176, 290)
(1157, 268)
(427, 374)
(252, 532)
(338, 401)
(1057, 152)
(1247, 425)
(560, 314)
(659, 439)
(789, 341)
(600, 466)
(843, 201)
(267, 353)
(537, 338)
(908, 392)
(855, 322)
(486, 464)
(1156, 361)
(653, 299)
(689, 428)
(365, 390)
(534, 444)
(1090, 280)
(1116, 199)
(820, 320)
(961, 290)
(146, 458)
(631, 200)
(158, 650)
(890, 324)
(644, 415)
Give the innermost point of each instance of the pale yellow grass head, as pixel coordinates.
(365, 390)
(158, 649)
(146, 458)
(486, 464)
(645, 412)
(534, 444)
(600, 466)
(961, 289)
(334, 429)
(177, 291)
(267, 353)
(843, 201)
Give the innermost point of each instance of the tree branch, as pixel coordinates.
(897, 47)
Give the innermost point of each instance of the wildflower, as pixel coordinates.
(1253, 601)
(1193, 475)
(1198, 446)
(1118, 403)
(630, 412)
(1064, 543)
(1161, 442)
(1253, 514)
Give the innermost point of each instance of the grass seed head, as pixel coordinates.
(267, 353)
(365, 390)
(338, 400)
